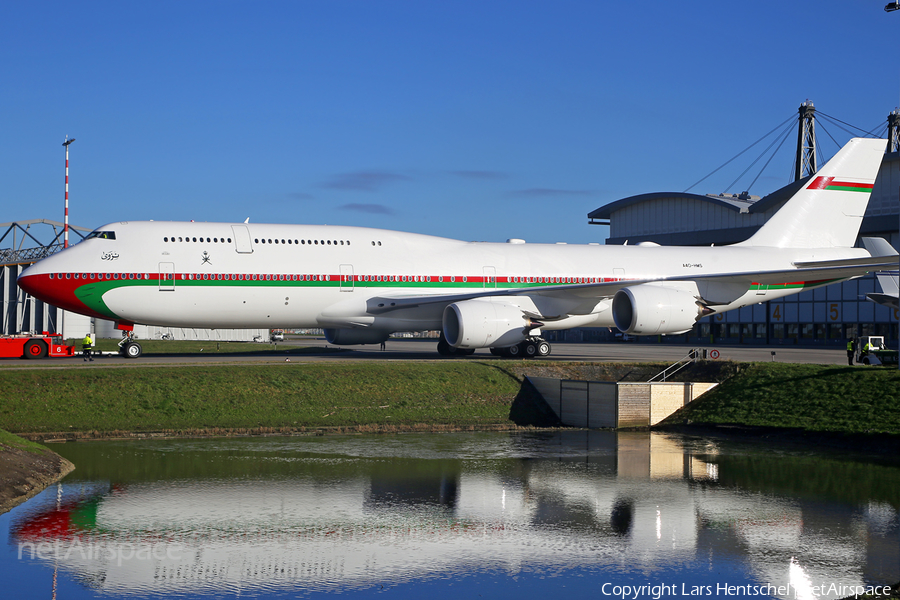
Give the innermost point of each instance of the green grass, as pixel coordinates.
(238, 396)
(14, 441)
(811, 397)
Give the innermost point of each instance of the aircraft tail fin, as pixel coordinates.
(828, 210)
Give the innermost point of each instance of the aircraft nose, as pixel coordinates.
(51, 288)
(31, 282)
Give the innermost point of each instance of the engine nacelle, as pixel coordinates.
(651, 309)
(350, 337)
(482, 323)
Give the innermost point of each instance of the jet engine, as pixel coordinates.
(481, 323)
(650, 309)
(350, 337)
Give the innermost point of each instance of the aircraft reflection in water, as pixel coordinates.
(306, 520)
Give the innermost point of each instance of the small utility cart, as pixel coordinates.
(878, 353)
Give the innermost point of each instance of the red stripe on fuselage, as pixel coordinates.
(58, 292)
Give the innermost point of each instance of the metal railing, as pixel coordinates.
(693, 356)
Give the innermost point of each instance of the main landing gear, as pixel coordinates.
(530, 348)
(128, 347)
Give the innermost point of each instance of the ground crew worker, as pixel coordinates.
(866, 349)
(87, 344)
(851, 348)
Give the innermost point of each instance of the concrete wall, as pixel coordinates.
(609, 404)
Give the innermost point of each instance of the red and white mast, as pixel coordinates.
(66, 225)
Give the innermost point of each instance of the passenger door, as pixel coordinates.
(166, 277)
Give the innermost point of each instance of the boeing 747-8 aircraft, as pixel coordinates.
(361, 284)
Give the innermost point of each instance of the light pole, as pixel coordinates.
(891, 7)
(66, 225)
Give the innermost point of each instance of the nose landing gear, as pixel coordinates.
(128, 347)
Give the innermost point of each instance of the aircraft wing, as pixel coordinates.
(715, 289)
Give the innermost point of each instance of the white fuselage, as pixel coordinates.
(224, 275)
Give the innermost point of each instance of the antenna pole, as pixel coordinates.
(66, 226)
(806, 142)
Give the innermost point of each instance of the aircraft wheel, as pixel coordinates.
(444, 348)
(530, 349)
(132, 350)
(35, 349)
(865, 360)
(514, 351)
(496, 351)
(543, 348)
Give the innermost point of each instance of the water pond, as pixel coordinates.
(501, 515)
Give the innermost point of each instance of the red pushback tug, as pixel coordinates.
(26, 345)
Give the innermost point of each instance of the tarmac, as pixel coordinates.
(426, 349)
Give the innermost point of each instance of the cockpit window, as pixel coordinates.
(105, 235)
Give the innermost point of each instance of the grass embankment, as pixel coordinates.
(814, 398)
(26, 468)
(277, 397)
(10, 441)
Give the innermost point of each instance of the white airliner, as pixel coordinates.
(362, 284)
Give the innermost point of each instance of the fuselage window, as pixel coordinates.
(255, 241)
(290, 242)
(329, 242)
(276, 240)
(303, 242)
(465, 279)
(317, 242)
(282, 241)
(323, 242)
(216, 240)
(165, 239)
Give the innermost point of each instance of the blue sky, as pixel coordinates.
(472, 120)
